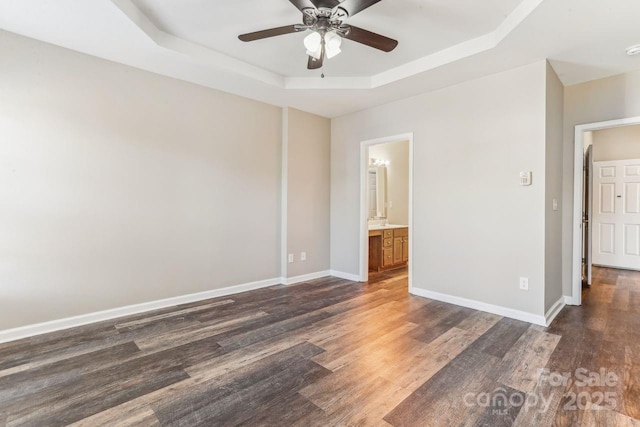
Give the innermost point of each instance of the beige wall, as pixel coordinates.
(476, 231)
(621, 143)
(553, 182)
(160, 182)
(119, 186)
(600, 100)
(397, 153)
(308, 191)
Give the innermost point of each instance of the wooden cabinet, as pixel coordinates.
(405, 249)
(401, 235)
(387, 257)
(388, 248)
(397, 249)
(375, 250)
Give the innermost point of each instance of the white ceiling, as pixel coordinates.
(442, 42)
(422, 27)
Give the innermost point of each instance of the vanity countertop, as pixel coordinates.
(386, 227)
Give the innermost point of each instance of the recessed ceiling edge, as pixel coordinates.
(217, 59)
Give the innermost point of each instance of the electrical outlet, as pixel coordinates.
(290, 257)
(524, 283)
(303, 256)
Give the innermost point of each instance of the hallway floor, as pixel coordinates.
(333, 352)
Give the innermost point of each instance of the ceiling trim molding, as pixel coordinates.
(213, 58)
(193, 50)
(461, 50)
(328, 83)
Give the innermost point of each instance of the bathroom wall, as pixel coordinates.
(397, 154)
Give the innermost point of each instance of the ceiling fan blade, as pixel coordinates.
(314, 64)
(371, 39)
(303, 4)
(356, 6)
(249, 37)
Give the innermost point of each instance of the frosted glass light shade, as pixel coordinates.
(332, 42)
(313, 41)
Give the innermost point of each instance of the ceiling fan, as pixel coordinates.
(325, 19)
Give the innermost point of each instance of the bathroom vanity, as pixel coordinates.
(388, 247)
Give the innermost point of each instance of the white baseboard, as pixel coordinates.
(305, 277)
(84, 319)
(554, 310)
(569, 300)
(482, 306)
(347, 276)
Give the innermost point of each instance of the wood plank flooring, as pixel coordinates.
(334, 353)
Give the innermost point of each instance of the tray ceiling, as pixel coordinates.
(442, 43)
(422, 28)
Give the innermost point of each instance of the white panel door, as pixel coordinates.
(615, 226)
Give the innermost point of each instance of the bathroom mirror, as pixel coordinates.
(377, 192)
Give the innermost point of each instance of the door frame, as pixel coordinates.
(589, 182)
(364, 199)
(578, 169)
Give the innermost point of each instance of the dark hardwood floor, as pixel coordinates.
(333, 352)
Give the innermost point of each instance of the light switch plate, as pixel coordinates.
(303, 256)
(290, 257)
(525, 178)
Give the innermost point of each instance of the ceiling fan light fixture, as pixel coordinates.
(313, 42)
(332, 52)
(316, 54)
(332, 42)
(325, 19)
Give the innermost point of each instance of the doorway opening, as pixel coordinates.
(386, 205)
(606, 216)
